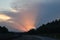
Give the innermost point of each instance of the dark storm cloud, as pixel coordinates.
(49, 12)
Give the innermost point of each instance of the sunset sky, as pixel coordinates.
(23, 15)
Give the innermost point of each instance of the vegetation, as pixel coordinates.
(51, 29)
(3, 29)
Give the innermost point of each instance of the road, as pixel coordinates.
(33, 37)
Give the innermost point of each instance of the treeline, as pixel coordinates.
(52, 27)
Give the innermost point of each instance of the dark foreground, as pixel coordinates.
(9, 36)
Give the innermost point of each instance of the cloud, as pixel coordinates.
(14, 20)
(49, 12)
(4, 17)
(11, 20)
(28, 12)
(20, 4)
(25, 15)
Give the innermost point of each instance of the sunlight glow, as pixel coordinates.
(4, 17)
(28, 13)
(28, 18)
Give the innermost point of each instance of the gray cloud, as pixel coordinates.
(47, 12)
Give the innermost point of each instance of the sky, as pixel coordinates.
(5, 4)
(23, 15)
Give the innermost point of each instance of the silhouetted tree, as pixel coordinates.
(3, 29)
(52, 27)
(32, 31)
